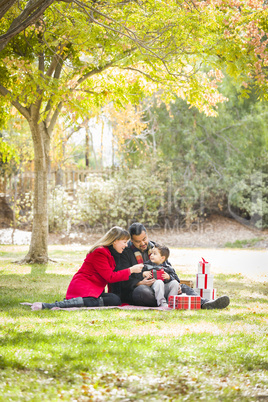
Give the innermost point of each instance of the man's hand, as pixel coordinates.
(179, 291)
(146, 281)
(135, 269)
(147, 274)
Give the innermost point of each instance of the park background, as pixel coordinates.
(114, 112)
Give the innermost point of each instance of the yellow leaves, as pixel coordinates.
(236, 388)
(126, 46)
(126, 122)
(72, 83)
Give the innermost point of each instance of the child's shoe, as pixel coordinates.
(164, 306)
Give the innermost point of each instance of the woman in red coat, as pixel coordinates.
(87, 285)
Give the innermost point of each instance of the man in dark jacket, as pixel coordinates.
(135, 291)
(139, 292)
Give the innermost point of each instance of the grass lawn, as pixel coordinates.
(120, 355)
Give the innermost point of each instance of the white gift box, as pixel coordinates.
(203, 267)
(209, 294)
(204, 281)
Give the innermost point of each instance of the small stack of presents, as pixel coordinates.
(204, 288)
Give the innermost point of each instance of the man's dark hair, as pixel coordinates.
(164, 251)
(136, 229)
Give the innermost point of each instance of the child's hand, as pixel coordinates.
(147, 274)
(166, 276)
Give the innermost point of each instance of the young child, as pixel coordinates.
(162, 288)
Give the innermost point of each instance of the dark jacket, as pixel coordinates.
(127, 259)
(124, 289)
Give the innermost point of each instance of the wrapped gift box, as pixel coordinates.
(203, 267)
(204, 281)
(209, 294)
(184, 301)
(158, 274)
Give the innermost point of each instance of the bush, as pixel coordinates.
(155, 196)
(62, 210)
(248, 201)
(120, 200)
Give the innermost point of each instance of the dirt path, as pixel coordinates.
(215, 232)
(187, 247)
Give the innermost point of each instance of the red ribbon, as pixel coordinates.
(206, 281)
(203, 265)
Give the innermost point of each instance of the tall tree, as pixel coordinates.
(83, 54)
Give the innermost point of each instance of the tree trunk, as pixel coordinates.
(102, 145)
(87, 147)
(93, 149)
(38, 252)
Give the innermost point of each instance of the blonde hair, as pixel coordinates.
(115, 233)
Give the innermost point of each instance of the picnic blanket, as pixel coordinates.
(38, 306)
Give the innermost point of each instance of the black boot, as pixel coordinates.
(93, 302)
(221, 302)
(76, 302)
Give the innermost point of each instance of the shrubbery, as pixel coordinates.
(154, 195)
(106, 202)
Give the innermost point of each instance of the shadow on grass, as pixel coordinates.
(63, 349)
(32, 287)
(37, 270)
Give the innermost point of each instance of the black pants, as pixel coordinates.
(109, 299)
(190, 292)
(143, 295)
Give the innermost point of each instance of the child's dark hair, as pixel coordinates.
(164, 251)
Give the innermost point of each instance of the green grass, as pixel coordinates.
(243, 243)
(120, 355)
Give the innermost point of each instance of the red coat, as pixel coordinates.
(96, 272)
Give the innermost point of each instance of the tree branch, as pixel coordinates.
(23, 110)
(103, 68)
(31, 13)
(5, 6)
(130, 34)
(54, 118)
(141, 72)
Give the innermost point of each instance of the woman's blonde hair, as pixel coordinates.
(115, 233)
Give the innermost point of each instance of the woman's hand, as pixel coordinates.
(135, 269)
